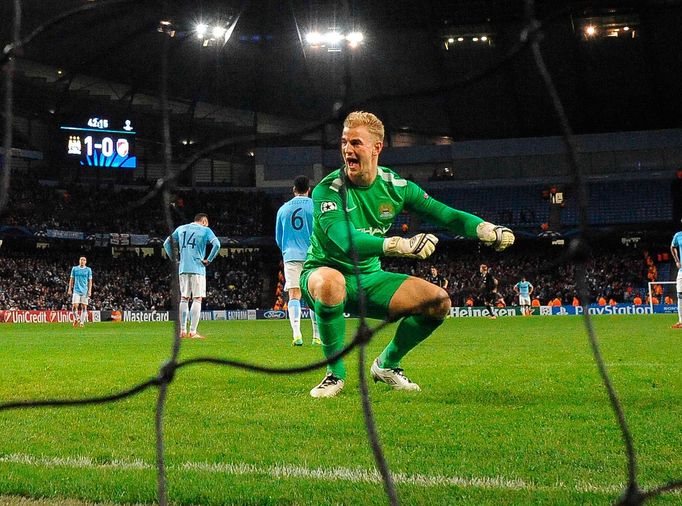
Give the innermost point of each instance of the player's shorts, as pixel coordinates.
(524, 300)
(292, 275)
(679, 281)
(77, 298)
(192, 285)
(379, 287)
(492, 297)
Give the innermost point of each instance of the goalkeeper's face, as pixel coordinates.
(360, 150)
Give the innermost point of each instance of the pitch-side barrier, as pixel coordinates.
(66, 316)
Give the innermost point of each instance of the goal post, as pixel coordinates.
(668, 288)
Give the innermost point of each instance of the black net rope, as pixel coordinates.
(529, 38)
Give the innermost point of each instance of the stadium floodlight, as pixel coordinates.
(333, 37)
(617, 22)
(475, 39)
(460, 39)
(314, 38)
(484, 38)
(201, 30)
(218, 31)
(451, 40)
(355, 38)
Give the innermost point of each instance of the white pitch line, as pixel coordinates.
(357, 475)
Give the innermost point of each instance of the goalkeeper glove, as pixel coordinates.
(420, 246)
(497, 236)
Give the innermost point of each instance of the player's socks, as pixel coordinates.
(411, 331)
(76, 317)
(332, 327)
(184, 315)
(313, 320)
(194, 316)
(295, 316)
(84, 316)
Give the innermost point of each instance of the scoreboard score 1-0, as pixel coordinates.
(98, 145)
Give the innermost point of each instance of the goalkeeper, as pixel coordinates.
(353, 208)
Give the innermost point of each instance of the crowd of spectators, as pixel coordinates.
(133, 210)
(38, 279)
(618, 275)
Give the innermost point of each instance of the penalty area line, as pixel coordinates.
(354, 475)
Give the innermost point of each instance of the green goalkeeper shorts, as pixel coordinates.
(379, 288)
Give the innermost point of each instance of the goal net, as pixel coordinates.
(664, 292)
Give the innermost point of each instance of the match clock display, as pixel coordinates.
(101, 143)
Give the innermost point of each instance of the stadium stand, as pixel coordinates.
(48, 205)
(37, 279)
(614, 273)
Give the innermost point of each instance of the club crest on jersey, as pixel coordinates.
(386, 211)
(328, 206)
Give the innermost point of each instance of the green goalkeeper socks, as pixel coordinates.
(332, 327)
(411, 331)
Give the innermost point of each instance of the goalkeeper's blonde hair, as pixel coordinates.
(366, 119)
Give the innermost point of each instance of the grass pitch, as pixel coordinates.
(512, 412)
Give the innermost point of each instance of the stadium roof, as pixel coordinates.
(405, 69)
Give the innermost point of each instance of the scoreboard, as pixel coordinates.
(101, 142)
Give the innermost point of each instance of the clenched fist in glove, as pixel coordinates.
(420, 246)
(496, 236)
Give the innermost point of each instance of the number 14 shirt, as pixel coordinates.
(192, 240)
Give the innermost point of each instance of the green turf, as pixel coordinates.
(516, 400)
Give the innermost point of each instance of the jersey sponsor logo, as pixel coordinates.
(328, 206)
(386, 211)
(375, 231)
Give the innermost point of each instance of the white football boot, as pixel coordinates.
(328, 387)
(393, 377)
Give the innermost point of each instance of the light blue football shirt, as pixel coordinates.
(81, 276)
(524, 288)
(192, 240)
(677, 241)
(293, 228)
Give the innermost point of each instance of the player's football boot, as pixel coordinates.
(328, 387)
(393, 377)
(184, 335)
(297, 341)
(81, 324)
(317, 341)
(678, 325)
(195, 335)
(75, 324)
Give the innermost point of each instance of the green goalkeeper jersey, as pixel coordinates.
(371, 211)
